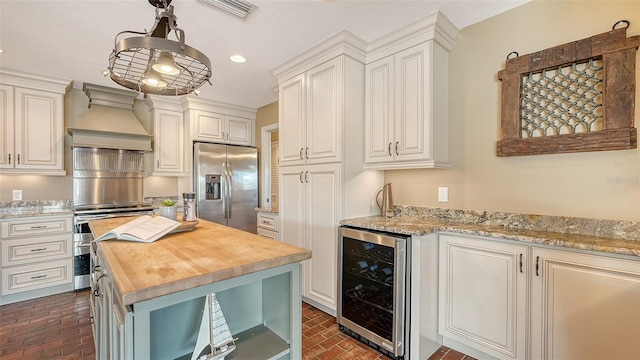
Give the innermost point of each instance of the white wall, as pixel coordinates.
(602, 184)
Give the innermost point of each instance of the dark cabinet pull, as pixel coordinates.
(301, 177)
(306, 153)
(18, 159)
(9, 159)
(389, 149)
(39, 249)
(38, 277)
(520, 263)
(306, 177)
(301, 153)
(397, 148)
(537, 265)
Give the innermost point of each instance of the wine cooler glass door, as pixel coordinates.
(372, 287)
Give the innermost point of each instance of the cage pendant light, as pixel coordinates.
(153, 64)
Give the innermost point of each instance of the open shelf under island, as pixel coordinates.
(148, 298)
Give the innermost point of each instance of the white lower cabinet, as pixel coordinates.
(483, 295)
(309, 215)
(36, 257)
(584, 306)
(268, 225)
(552, 304)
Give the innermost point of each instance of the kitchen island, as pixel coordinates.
(149, 297)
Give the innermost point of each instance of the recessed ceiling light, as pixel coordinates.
(1, 51)
(237, 59)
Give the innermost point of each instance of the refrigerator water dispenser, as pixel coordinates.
(212, 186)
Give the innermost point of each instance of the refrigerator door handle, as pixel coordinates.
(229, 189)
(225, 198)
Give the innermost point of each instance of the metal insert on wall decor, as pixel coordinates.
(571, 98)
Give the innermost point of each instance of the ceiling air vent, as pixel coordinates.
(236, 7)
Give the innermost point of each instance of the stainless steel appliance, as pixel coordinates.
(373, 296)
(226, 184)
(106, 183)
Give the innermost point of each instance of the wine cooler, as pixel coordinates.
(372, 288)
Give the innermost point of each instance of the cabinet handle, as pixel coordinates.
(397, 148)
(301, 153)
(389, 149)
(306, 153)
(18, 159)
(96, 293)
(38, 227)
(9, 159)
(40, 249)
(38, 277)
(157, 164)
(301, 177)
(306, 177)
(520, 263)
(537, 265)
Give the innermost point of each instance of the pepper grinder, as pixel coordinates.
(189, 201)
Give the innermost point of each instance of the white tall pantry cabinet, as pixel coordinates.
(321, 103)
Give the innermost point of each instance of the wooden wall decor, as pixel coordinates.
(573, 97)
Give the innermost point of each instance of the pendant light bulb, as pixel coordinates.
(165, 64)
(153, 78)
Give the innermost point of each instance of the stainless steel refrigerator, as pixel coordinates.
(226, 184)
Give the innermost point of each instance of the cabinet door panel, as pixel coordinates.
(209, 126)
(483, 295)
(169, 135)
(412, 104)
(292, 121)
(6, 127)
(239, 130)
(379, 142)
(292, 205)
(323, 133)
(322, 236)
(585, 307)
(38, 131)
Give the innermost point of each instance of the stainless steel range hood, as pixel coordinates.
(110, 122)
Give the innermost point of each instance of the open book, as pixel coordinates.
(144, 229)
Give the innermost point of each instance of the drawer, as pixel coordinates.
(268, 221)
(36, 226)
(36, 276)
(268, 233)
(27, 250)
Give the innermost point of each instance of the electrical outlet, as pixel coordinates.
(443, 194)
(17, 194)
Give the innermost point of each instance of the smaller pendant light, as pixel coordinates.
(165, 64)
(153, 78)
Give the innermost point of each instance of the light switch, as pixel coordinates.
(17, 195)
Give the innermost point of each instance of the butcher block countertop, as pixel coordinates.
(179, 261)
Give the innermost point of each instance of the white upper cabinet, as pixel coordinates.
(311, 116)
(168, 132)
(215, 125)
(31, 124)
(406, 101)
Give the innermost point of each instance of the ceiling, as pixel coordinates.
(72, 39)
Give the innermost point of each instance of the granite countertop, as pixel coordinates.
(409, 225)
(184, 260)
(273, 210)
(16, 209)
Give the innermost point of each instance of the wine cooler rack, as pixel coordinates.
(372, 288)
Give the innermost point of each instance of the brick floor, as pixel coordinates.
(57, 327)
